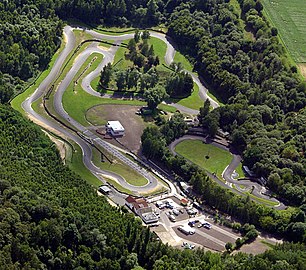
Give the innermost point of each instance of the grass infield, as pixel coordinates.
(207, 156)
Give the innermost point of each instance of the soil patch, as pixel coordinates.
(303, 69)
(126, 114)
(60, 145)
(256, 247)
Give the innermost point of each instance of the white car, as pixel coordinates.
(188, 246)
(176, 212)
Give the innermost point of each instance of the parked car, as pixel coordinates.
(191, 223)
(160, 205)
(176, 212)
(188, 246)
(169, 205)
(192, 211)
(207, 225)
(172, 218)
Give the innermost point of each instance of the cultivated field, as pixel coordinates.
(289, 17)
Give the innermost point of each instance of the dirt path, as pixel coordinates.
(302, 68)
(60, 145)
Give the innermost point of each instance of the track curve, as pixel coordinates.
(58, 106)
(254, 187)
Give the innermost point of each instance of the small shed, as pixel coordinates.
(115, 128)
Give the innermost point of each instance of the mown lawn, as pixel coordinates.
(178, 57)
(78, 167)
(207, 156)
(193, 101)
(240, 172)
(85, 101)
(160, 48)
(131, 176)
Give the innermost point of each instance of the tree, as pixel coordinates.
(132, 78)
(179, 84)
(154, 96)
(139, 60)
(106, 74)
(153, 143)
(229, 246)
(238, 243)
(132, 46)
(204, 111)
(152, 13)
(274, 31)
(137, 36)
(145, 35)
(145, 48)
(151, 51)
(121, 79)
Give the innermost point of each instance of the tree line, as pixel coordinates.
(29, 38)
(144, 75)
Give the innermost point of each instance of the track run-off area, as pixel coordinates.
(86, 138)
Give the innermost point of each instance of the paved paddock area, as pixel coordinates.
(213, 239)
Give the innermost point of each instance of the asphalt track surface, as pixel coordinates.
(89, 137)
(87, 134)
(84, 144)
(258, 190)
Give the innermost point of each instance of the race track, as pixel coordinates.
(88, 137)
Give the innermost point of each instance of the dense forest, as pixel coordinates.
(29, 36)
(265, 98)
(52, 219)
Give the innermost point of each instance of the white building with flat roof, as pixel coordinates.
(115, 128)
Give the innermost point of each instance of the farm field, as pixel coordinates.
(207, 156)
(289, 17)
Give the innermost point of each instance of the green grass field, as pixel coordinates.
(131, 176)
(167, 108)
(114, 31)
(240, 171)
(78, 167)
(178, 57)
(193, 101)
(85, 101)
(197, 152)
(160, 48)
(119, 58)
(289, 17)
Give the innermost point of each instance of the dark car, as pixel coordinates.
(191, 223)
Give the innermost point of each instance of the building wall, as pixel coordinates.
(116, 134)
